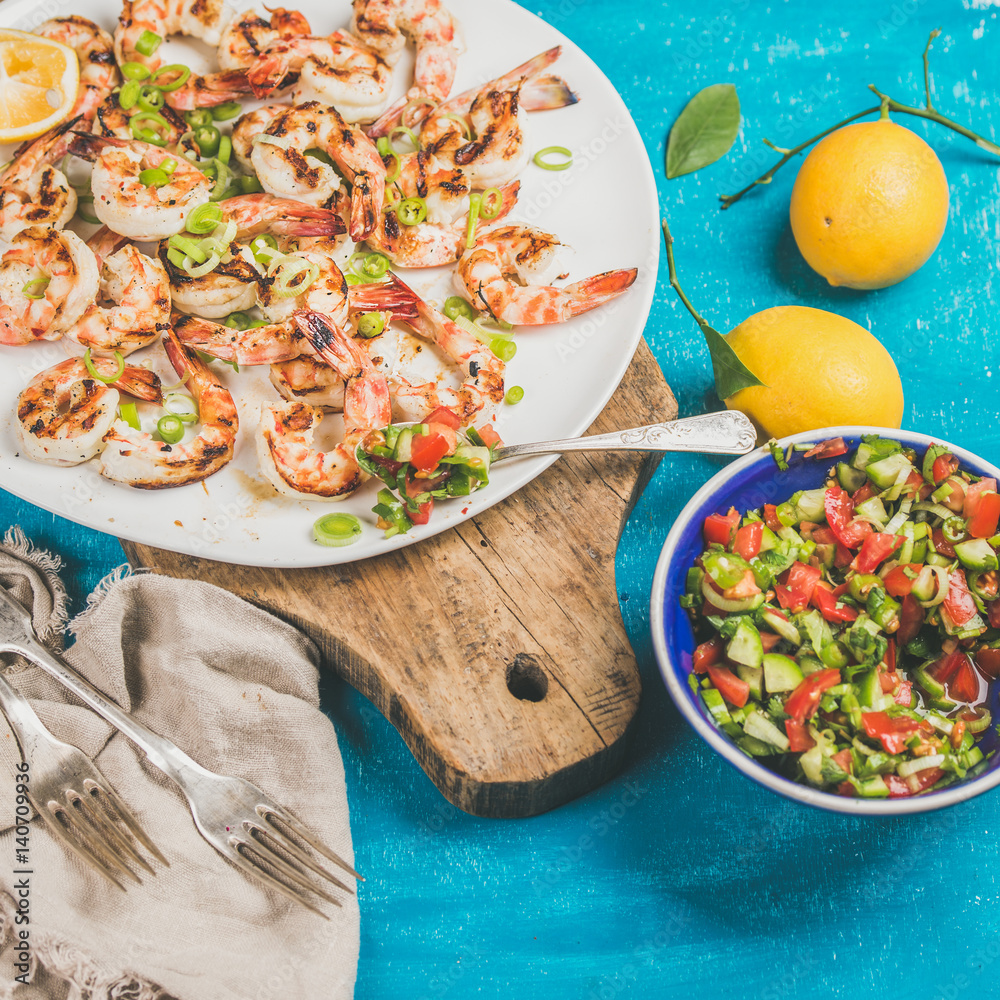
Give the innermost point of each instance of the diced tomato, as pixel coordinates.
(892, 732)
(803, 578)
(721, 528)
(955, 500)
(875, 549)
(964, 685)
(866, 492)
(944, 466)
(983, 523)
(898, 788)
(988, 661)
(446, 431)
(919, 486)
(771, 517)
(888, 682)
(747, 587)
(839, 515)
(898, 582)
(793, 600)
(843, 557)
(941, 545)
(839, 592)
(911, 618)
(708, 653)
(824, 536)
(442, 415)
(905, 693)
(426, 450)
(798, 736)
(803, 702)
(845, 760)
(973, 493)
(993, 610)
(748, 539)
(769, 640)
(828, 606)
(806, 529)
(423, 512)
(828, 449)
(958, 605)
(387, 463)
(489, 435)
(729, 685)
(846, 789)
(890, 655)
(924, 779)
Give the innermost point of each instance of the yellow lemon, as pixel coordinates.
(38, 84)
(818, 370)
(869, 205)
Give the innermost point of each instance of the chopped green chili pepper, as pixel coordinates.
(371, 324)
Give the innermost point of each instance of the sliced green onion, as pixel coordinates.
(490, 197)
(221, 186)
(455, 306)
(183, 75)
(238, 321)
(188, 411)
(35, 289)
(475, 202)
(337, 529)
(250, 185)
(353, 279)
(466, 131)
(192, 248)
(168, 167)
(416, 103)
(151, 98)
(540, 161)
(208, 138)
(410, 134)
(263, 139)
(119, 360)
(503, 348)
(154, 177)
(287, 270)
(134, 71)
(170, 428)
(371, 324)
(84, 215)
(223, 112)
(514, 395)
(204, 219)
(264, 245)
(129, 95)
(225, 149)
(198, 118)
(382, 145)
(411, 211)
(201, 270)
(149, 42)
(130, 414)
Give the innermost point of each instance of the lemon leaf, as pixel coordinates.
(731, 374)
(705, 130)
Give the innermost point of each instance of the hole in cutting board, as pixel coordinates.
(526, 680)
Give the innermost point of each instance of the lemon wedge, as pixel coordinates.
(39, 79)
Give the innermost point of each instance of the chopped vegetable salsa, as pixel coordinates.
(423, 463)
(848, 635)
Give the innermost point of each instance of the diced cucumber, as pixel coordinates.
(810, 504)
(781, 673)
(403, 444)
(871, 451)
(816, 628)
(873, 508)
(972, 757)
(852, 706)
(978, 554)
(872, 788)
(762, 728)
(886, 472)
(745, 646)
(870, 691)
(810, 664)
(753, 747)
(783, 627)
(768, 539)
(908, 767)
(850, 479)
(716, 706)
(754, 676)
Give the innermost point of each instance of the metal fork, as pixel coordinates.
(73, 798)
(239, 820)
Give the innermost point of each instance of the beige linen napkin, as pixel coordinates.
(236, 689)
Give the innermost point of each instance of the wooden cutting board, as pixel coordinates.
(496, 649)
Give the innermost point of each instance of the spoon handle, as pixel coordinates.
(728, 432)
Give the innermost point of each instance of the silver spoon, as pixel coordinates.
(728, 432)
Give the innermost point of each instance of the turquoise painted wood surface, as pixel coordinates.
(681, 876)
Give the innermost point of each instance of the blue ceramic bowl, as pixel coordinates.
(747, 483)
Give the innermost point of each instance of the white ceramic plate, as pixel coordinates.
(604, 208)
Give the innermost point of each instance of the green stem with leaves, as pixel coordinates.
(886, 104)
(730, 373)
